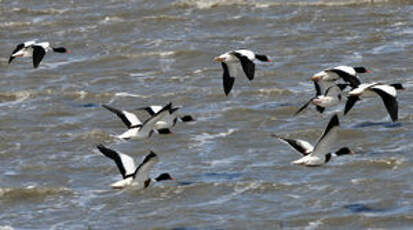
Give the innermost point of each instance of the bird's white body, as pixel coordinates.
(365, 90)
(137, 129)
(133, 175)
(327, 75)
(323, 146)
(168, 121)
(331, 97)
(230, 58)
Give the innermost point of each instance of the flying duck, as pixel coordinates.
(319, 154)
(331, 97)
(388, 94)
(163, 126)
(35, 50)
(346, 73)
(230, 64)
(137, 129)
(132, 175)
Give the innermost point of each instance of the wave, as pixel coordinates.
(6, 227)
(47, 11)
(8, 98)
(208, 4)
(31, 192)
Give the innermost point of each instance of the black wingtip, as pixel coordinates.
(351, 100)
(334, 121)
(151, 154)
(167, 107)
(173, 110)
(10, 60)
(228, 84)
(102, 148)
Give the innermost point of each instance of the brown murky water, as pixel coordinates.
(230, 173)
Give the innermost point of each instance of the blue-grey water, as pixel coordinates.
(231, 174)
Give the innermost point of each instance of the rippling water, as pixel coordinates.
(230, 173)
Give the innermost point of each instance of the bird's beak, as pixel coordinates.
(315, 78)
(68, 51)
(368, 71)
(219, 59)
(352, 152)
(173, 178)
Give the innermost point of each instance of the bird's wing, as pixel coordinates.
(389, 96)
(149, 124)
(38, 54)
(327, 138)
(142, 171)
(353, 80)
(299, 145)
(227, 80)
(129, 119)
(18, 47)
(247, 65)
(125, 163)
(303, 107)
(351, 101)
(317, 88)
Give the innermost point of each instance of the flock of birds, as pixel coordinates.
(330, 86)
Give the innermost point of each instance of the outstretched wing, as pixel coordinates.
(351, 101)
(317, 88)
(38, 54)
(149, 124)
(227, 80)
(327, 138)
(299, 145)
(18, 47)
(388, 95)
(247, 65)
(142, 171)
(125, 163)
(129, 119)
(353, 80)
(303, 107)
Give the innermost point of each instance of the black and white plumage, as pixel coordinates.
(163, 126)
(35, 50)
(347, 73)
(137, 129)
(388, 94)
(330, 97)
(230, 64)
(320, 153)
(132, 174)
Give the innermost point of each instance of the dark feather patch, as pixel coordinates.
(120, 114)
(115, 157)
(228, 81)
(247, 65)
(38, 54)
(390, 103)
(353, 80)
(351, 100)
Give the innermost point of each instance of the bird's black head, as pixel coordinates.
(61, 50)
(344, 151)
(187, 118)
(262, 58)
(361, 69)
(398, 86)
(164, 176)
